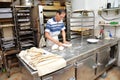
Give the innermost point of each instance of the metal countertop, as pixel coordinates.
(77, 50)
(81, 48)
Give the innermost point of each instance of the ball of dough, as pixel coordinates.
(61, 48)
(67, 45)
(55, 46)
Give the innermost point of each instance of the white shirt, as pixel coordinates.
(53, 27)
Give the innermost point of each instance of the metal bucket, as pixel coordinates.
(26, 2)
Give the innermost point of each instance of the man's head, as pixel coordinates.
(60, 14)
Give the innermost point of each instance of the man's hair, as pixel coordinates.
(60, 11)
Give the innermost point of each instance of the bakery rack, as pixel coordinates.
(8, 38)
(82, 24)
(24, 27)
(7, 30)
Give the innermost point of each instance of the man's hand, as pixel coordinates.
(66, 42)
(60, 44)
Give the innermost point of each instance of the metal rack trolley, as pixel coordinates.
(23, 24)
(83, 20)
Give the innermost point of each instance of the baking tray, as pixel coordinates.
(25, 32)
(44, 51)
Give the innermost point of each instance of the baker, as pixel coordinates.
(53, 28)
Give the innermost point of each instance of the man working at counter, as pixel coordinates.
(54, 26)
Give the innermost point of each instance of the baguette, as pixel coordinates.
(36, 50)
(43, 58)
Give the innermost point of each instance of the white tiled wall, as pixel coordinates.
(89, 5)
(98, 5)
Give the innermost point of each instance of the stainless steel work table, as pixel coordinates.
(78, 50)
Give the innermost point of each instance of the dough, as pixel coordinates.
(61, 48)
(55, 46)
(67, 45)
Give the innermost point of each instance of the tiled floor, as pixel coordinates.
(16, 74)
(113, 74)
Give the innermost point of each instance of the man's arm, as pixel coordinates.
(64, 37)
(47, 35)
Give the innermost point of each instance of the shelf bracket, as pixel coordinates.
(116, 11)
(106, 12)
